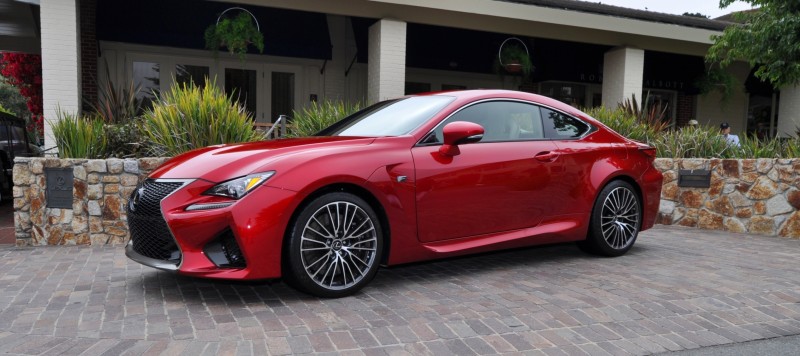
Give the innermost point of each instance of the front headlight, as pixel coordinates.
(239, 187)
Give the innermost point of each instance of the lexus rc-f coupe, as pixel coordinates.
(411, 179)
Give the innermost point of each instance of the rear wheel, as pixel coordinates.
(615, 221)
(335, 246)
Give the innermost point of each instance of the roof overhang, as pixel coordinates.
(19, 26)
(523, 19)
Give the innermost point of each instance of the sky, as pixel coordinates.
(678, 7)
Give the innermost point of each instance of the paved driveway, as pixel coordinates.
(676, 289)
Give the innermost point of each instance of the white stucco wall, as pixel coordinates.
(387, 60)
(789, 111)
(61, 88)
(623, 71)
(713, 110)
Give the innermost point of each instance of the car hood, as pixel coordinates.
(222, 162)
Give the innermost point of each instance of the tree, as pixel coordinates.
(24, 71)
(12, 100)
(768, 38)
(695, 14)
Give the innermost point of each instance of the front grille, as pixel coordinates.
(225, 252)
(150, 234)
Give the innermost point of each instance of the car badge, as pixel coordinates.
(135, 198)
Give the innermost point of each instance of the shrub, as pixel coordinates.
(792, 148)
(753, 147)
(624, 123)
(318, 116)
(116, 104)
(79, 137)
(188, 117)
(693, 142)
(125, 139)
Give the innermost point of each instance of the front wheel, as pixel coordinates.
(335, 246)
(615, 221)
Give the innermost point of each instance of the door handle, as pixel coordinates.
(546, 156)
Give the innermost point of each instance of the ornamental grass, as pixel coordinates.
(79, 137)
(188, 117)
(693, 142)
(317, 116)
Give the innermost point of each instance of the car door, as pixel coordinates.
(495, 185)
(578, 157)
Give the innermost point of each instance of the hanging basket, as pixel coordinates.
(232, 34)
(517, 59)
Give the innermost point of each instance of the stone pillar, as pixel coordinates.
(623, 71)
(386, 78)
(789, 111)
(61, 84)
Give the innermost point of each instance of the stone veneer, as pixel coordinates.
(756, 196)
(100, 191)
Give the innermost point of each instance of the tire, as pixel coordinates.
(615, 220)
(335, 246)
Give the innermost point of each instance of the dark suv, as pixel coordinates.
(13, 143)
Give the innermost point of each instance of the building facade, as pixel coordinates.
(585, 54)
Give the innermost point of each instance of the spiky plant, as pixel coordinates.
(188, 117)
(79, 137)
(317, 116)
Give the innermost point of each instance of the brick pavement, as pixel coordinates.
(7, 234)
(677, 289)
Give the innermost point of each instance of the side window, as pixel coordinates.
(558, 126)
(501, 121)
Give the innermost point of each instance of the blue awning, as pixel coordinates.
(182, 23)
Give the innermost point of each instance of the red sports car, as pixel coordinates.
(416, 178)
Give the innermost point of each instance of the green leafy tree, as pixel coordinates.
(768, 38)
(12, 101)
(695, 14)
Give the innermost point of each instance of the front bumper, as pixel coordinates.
(257, 222)
(147, 261)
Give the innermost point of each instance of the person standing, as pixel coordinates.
(732, 139)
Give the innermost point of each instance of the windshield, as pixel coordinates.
(389, 118)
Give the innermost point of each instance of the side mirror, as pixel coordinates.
(458, 133)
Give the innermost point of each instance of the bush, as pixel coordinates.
(692, 142)
(79, 137)
(316, 117)
(188, 117)
(625, 124)
(116, 104)
(125, 140)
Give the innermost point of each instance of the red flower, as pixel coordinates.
(24, 71)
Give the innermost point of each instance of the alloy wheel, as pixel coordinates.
(620, 218)
(338, 245)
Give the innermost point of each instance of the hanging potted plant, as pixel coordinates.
(513, 58)
(235, 34)
(716, 79)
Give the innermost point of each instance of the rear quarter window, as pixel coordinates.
(559, 126)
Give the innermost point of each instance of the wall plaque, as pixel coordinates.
(59, 187)
(696, 178)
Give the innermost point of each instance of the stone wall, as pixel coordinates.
(751, 196)
(100, 191)
(756, 196)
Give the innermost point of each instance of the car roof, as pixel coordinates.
(8, 119)
(479, 94)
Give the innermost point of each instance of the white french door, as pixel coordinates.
(266, 90)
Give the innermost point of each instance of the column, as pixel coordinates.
(623, 71)
(386, 75)
(60, 61)
(334, 79)
(789, 111)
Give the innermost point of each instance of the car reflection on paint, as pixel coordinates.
(411, 179)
